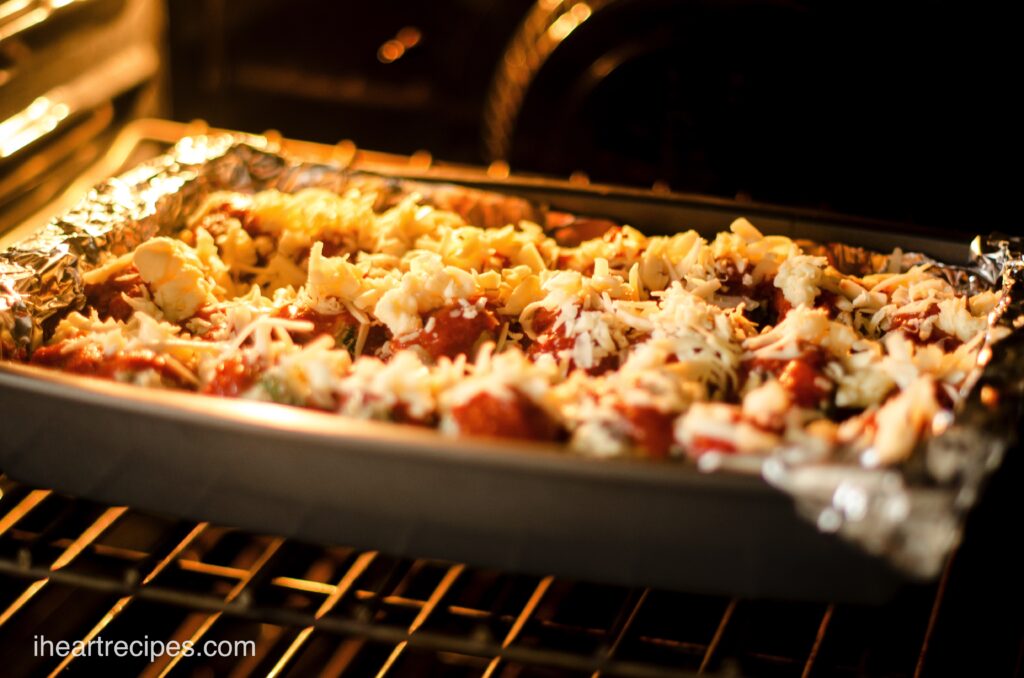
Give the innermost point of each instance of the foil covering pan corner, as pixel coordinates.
(40, 277)
(914, 516)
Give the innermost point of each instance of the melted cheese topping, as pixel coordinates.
(310, 299)
(176, 275)
(799, 278)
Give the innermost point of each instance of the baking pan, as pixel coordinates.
(407, 492)
(411, 492)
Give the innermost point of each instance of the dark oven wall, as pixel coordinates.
(892, 111)
(392, 75)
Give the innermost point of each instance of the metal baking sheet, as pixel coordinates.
(411, 492)
(517, 507)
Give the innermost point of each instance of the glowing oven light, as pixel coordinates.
(394, 49)
(568, 22)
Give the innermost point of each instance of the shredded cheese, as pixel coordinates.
(310, 298)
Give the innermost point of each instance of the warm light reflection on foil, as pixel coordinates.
(34, 122)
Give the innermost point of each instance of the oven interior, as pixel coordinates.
(72, 568)
(75, 569)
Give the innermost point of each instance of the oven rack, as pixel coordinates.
(73, 569)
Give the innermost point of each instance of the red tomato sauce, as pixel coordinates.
(543, 320)
(233, 376)
(556, 342)
(229, 209)
(777, 300)
(89, 359)
(701, 445)
(802, 377)
(452, 333)
(83, 360)
(650, 428)
(517, 417)
(552, 340)
(910, 325)
(106, 297)
(806, 384)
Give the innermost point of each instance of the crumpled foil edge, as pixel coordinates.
(40, 277)
(914, 515)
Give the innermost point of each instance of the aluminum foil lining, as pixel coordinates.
(913, 515)
(40, 278)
